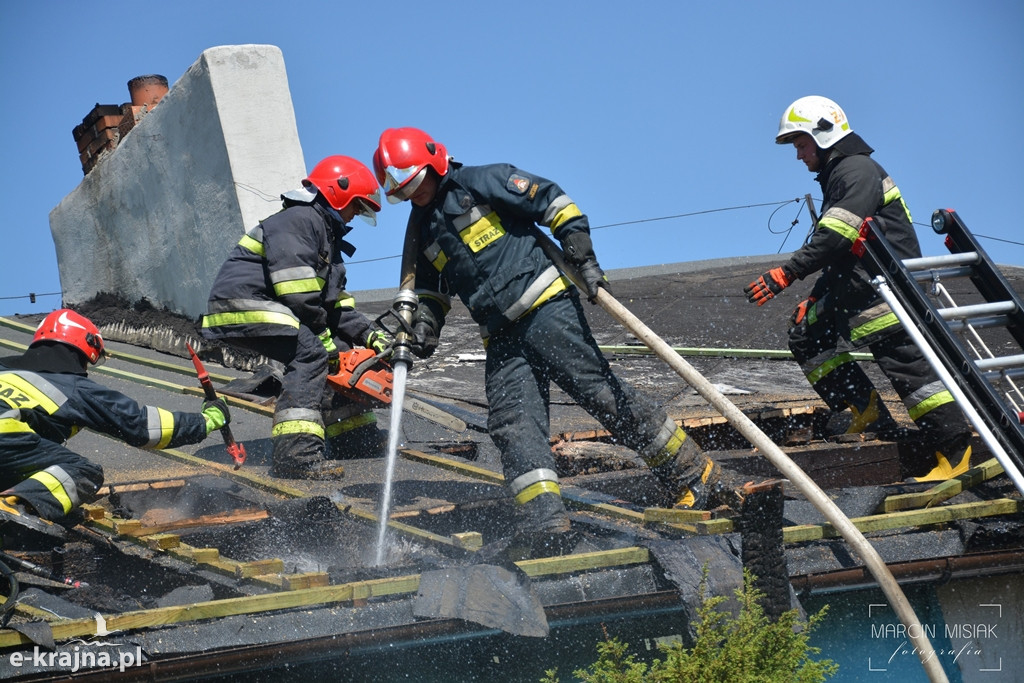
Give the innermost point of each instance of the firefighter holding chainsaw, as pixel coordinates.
(844, 304)
(474, 227)
(46, 397)
(281, 293)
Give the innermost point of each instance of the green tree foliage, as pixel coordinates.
(748, 648)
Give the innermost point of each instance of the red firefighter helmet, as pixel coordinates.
(402, 158)
(67, 327)
(341, 180)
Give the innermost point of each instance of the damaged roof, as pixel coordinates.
(194, 567)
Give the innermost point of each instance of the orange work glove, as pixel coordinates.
(768, 285)
(801, 310)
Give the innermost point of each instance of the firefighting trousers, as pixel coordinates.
(841, 382)
(47, 476)
(298, 432)
(554, 344)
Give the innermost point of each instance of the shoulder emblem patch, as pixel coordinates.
(517, 184)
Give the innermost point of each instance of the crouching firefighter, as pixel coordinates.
(281, 293)
(844, 305)
(474, 227)
(46, 397)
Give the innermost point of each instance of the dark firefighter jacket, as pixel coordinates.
(854, 187)
(475, 241)
(55, 405)
(285, 272)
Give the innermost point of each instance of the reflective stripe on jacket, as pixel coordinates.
(854, 187)
(56, 406)
(475, 241)
(286, 271)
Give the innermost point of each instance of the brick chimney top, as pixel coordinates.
(147, 90)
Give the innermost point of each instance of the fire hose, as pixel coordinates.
(775, 455)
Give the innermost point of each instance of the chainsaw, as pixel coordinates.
(366, 377)
(363, 376)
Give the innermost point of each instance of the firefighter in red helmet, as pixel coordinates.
(281, 293)
(475, 235)
(46, 397)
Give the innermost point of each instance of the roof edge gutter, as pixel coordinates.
(939, 569)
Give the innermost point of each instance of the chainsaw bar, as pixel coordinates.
(468, 417)
(416, 407)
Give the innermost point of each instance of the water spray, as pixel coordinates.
(403, 307)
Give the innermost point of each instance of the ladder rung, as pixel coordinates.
(963, 312)
(943, 273)
(980, 323)
(1000, 363)
(967, 258)
(1011, 373)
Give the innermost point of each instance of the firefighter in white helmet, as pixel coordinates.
(843, 304)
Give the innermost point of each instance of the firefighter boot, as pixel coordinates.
(13, 510)
(943, 470)
(871, 416)
(545, 529)
(366, 441)
(684, 469)
(710, 491)
(301, 456)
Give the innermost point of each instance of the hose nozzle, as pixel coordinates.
(404, 307)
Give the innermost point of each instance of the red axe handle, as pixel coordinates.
(235, 450)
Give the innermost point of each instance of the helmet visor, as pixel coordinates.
(395, 178)
(365, 211)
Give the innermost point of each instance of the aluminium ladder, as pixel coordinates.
(983, 384)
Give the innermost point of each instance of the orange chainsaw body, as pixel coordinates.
(363, 377)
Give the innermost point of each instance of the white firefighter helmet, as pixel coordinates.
(819, 117)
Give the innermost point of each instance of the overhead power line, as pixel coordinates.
(777, 204)
(634, 222)
(31, 296)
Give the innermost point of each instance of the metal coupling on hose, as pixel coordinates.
(404, 306)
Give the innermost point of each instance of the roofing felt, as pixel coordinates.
(199, 564)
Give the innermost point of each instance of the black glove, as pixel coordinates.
(579, 251)
(216, 413)
(424, 341)
(593, 277)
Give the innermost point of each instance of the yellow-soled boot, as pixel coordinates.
(943, 470)
(716, 488)
(696, 495)
(875, 417)
(10, 505)
(13, 510)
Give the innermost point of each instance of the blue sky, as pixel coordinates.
(641, 111)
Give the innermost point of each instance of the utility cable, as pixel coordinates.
(635, 222)
(777, 204)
